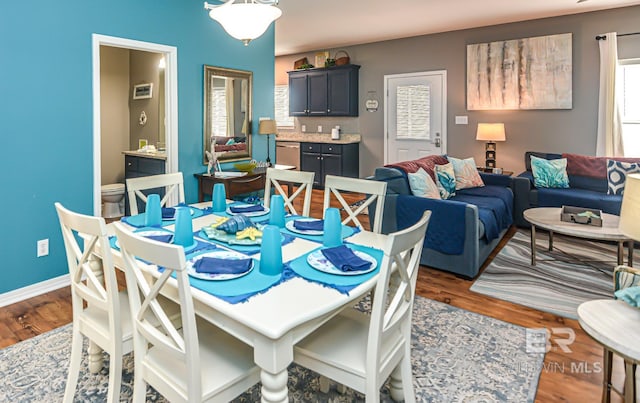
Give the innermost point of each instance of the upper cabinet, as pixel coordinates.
(329, 91)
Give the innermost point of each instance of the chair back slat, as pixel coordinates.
(375, 191)
(304, 180)
(173, 184)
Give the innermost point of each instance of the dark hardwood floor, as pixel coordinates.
(573, 376)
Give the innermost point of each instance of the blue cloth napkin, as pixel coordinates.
(630, 295)
(160, 238)
(246, 209)
(168, 213)
(214, 265)
(309, 225)
(344, 259)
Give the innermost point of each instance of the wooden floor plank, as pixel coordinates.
(566, 376)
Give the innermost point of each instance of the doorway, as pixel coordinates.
(415, 115)
(170, 54)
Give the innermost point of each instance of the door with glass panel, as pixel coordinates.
(415, 115)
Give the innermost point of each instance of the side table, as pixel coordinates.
(233, 186)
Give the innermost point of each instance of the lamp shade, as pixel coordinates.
(630, 211)
(490, 132)
(267, 127)
(245, 21)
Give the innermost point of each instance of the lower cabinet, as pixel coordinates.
(135, 167)
(329, 159)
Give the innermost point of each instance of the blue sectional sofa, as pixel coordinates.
(463, 230)
(587, 186)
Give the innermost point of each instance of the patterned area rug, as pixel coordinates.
(458, 356)
(574, 272)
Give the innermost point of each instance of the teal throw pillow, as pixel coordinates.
(629, 295)
(446, 180)
(549, 173)
(422, 185)
(230, 142)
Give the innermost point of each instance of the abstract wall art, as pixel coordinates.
(528, 73)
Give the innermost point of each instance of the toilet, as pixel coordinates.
(112, 196)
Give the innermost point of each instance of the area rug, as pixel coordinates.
(457, 355)
(575, 271)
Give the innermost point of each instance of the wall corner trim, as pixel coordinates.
(34, 290)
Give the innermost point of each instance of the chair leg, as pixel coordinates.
(629, 382)
(115, 376)
(139, 387)
(606, 376)
(401, 382)
(74, 366)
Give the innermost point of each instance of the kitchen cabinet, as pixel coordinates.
(329, 159)
(135, 167)
(331, 91)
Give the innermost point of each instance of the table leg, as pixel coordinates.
(550, 241)
(629, 382)
(620, 252)
(533, 245)
(630, 247)
(274, 386)
(607, 359)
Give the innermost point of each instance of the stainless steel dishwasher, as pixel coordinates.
(288, 153)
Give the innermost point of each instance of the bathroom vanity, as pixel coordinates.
(137, 164)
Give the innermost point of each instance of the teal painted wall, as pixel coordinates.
(46, 115)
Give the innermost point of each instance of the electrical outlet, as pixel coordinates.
(42, 247)
(304, 128)
(319, 128)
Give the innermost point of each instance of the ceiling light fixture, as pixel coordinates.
(245, 19)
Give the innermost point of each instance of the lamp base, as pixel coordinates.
(490, 155)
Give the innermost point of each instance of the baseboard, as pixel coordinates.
(34, 290)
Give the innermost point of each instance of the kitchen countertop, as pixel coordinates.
(156, 155)
(318, 138)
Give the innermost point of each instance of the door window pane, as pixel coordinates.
(413, 112)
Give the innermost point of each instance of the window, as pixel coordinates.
(630, 109)
(413, 111)
(282, 106)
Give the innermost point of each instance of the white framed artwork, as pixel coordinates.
(143, 91)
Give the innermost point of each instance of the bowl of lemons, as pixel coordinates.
(245, 166)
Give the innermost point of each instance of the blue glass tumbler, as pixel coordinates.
(153, 212)
(183, 234)
(276, 208)
(218, 198)
(271, 251)
(332, 231)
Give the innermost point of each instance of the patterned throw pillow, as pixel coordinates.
(617, 172)
(422, 185)
(549, 173)
(446, 180)
(467, 175)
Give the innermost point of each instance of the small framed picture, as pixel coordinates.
(142, 143)
(321, 57)
(143, 91)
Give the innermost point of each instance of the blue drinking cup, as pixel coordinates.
(219, 198)
(153, 212)
(271, 251)
(276, 208)
(183, 234)
(332, 231)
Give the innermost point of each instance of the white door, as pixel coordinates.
(415, 115)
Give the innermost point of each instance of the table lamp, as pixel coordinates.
(267, 127)
(490, 132)
(630, 211)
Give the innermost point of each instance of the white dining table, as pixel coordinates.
(274, 321)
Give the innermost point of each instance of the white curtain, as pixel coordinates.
(229, 92)
(609, 139)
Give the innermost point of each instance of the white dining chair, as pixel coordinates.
(173, 184)
(304, 180)
(375, 191)
(191, 362)
(106, 319)
(362, 350)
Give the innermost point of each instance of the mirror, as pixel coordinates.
(227, 113)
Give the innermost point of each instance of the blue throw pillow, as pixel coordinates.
(422, 185)
(446, 180)
(549, 173)
(617, 172)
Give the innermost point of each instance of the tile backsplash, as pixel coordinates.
(347, 124)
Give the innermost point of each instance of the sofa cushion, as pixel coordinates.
(617, 172)
(467, 175)
(495, 207)
(587, 165)
(396, 179)
(549, 173)
(546, 156)
(422, 185)
(427, 163)
(579, 198)
(446, 180)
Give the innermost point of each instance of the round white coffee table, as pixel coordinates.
(548, 218)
